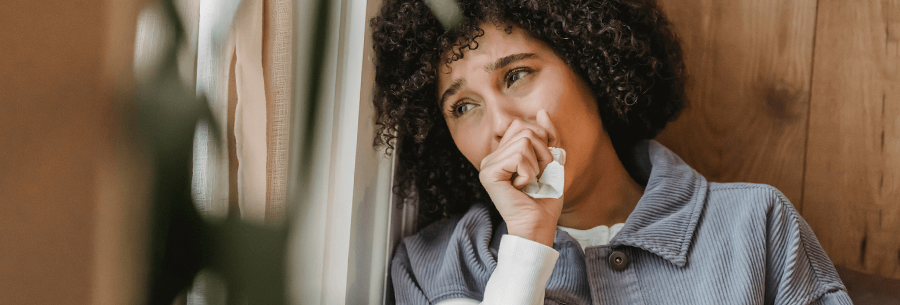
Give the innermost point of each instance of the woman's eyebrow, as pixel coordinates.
(457, 84)
(506, 60)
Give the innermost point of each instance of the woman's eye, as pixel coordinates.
(516, 75)
(462, 109)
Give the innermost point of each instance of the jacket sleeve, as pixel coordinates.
(449, 259)
(523, 268)
(406, 288)
(797, 269)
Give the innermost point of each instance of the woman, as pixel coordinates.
(476, 114)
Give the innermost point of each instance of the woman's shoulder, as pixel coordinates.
(752, 210)
(742, 198)
(762, 212)
(797, 266)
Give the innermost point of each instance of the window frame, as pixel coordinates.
(345, 222)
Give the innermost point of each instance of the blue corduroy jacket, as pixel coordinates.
(688, 241)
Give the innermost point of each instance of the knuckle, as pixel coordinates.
(515, 124)
(525, 178)
(520, 144)
(530, 132)
(519, 158)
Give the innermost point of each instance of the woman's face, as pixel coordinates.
(512, 76)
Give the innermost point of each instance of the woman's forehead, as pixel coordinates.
(497, 42)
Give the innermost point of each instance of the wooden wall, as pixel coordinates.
(803, 95)
(52, 115)
(70, 230)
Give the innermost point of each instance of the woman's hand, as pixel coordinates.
(519, 158)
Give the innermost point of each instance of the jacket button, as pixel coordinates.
(618, 261)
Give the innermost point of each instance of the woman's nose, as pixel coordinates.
(502, 114)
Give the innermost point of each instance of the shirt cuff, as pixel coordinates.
(460, 301)
(523, 268)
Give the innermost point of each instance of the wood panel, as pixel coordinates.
(749, 63)
(852, 188)
(53, 121)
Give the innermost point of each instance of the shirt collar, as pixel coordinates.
(665, 218)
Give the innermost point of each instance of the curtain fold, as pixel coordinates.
(260, 45)
(210, 175)
(250, 112)
(277, 53)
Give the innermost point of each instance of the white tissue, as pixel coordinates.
(552, 180)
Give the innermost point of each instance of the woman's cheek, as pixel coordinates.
(467, 143)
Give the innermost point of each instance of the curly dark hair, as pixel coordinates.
(625, 50)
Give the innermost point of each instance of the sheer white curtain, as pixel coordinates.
(258, 42)
(238, 55)
(277, 66)
(259, 46)
(214, 51)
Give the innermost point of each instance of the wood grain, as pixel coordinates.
(852, 188)
(54, 120)
(749, 63)
(865, 288)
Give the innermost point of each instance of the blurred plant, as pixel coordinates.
(447, 12)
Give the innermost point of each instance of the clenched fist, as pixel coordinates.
(519, 158)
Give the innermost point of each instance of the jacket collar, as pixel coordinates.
(665, 218)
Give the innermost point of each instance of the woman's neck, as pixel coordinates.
(602, 197)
